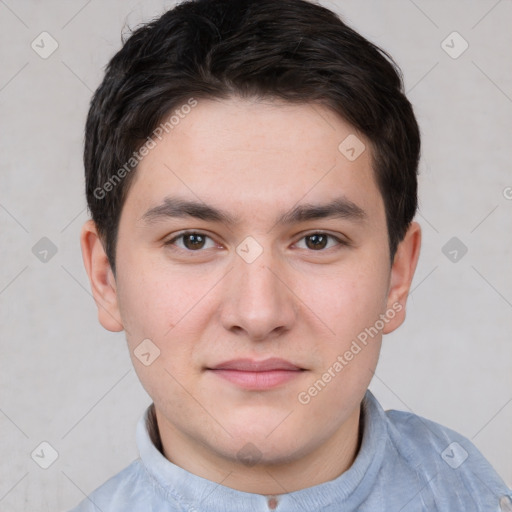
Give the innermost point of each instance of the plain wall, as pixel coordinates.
(65, 380)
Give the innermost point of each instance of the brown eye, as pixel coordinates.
(320, 241)
(191, 242)
(316, 241)
(194, 241)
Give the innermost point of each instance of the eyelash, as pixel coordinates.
(171, 242)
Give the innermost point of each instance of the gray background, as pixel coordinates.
(65, 380)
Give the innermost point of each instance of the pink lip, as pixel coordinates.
(249, 365)
(257, 375)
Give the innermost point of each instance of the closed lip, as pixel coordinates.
(250, 365)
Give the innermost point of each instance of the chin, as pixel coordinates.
(268, 447)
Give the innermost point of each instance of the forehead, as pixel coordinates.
(257, 154)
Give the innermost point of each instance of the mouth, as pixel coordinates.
(257, 375)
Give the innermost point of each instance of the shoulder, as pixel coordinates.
(450, 467)
(128, 488)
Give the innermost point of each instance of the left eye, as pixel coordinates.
(319, 241)
(192, 241)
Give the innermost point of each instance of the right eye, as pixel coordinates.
(191, 241)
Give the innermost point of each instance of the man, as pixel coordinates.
(251, 174)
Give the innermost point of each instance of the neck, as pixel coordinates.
(308, 468)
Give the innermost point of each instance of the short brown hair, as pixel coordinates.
(289, 49)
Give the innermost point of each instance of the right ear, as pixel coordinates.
(101, 277)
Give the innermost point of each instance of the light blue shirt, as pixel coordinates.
(406, 463)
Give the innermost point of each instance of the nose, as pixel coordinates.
(258, 301)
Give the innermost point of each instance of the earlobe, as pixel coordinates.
(101, 277)
(402, 272)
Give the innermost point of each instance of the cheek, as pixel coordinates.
(170, 308)
(347, 301)
(151, 293)
(164, 309)
(150, 304)
(350, 304)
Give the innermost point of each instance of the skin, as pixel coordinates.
(255, 159)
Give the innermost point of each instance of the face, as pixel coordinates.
(253, 252)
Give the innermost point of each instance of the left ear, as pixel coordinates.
(402, 272)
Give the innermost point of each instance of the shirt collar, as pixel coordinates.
(177, 484)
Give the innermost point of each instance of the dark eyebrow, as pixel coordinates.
(177, 207)
(340, 208)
